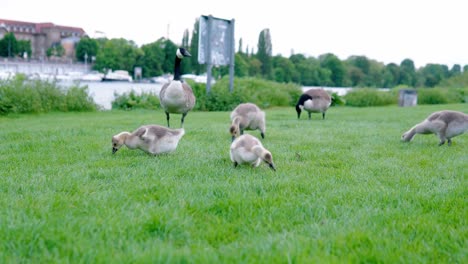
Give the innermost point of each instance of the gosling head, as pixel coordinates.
(181, 53)
(406, 137)
(265, 155)
(299, 110)
(268, 159)
(117, 141)
(235, 131)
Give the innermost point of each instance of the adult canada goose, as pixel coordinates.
(153, 139)
(313, 101)
(446, 124)
(248, 149)
(177, 97)
(247, 116)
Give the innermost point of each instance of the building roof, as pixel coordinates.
(39, 27)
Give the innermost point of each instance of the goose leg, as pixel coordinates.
(449, 142)
(262, 134)
(442, 137)
(182, 120)
(323, 116)
(167, 117)
(310, 115)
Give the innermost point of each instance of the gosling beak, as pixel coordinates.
(272, 166)
(114, 150)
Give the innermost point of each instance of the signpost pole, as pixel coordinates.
(209, 63)
(231, 60)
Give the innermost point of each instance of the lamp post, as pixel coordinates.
(86, 61)
(9, 38)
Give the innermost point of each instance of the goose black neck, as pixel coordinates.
(177, 72)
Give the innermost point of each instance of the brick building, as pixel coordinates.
(43, 36)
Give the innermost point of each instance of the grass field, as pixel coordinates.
(345, 190)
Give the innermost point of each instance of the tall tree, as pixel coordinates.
(187, 66)
(391, 75)
(333, 63)
(456, 70)
(407, 73)
(8, 45)
(24, 46)
(196, 67)
(283, 69)
(152, 61)
(87, 46)
(240, 46)
(118, 54)
(241, 67)
(264, 53)
(434, 73)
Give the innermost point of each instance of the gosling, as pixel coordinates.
(445, 124)
(247, 116)
(153, 139)
(313, 101)
(176, 96)
(249, 149)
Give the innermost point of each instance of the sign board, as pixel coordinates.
(216, 46)
(216, 41)
(137, 73)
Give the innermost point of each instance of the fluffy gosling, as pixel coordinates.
(445, 124)
(313, 101)
(247, 116)
(248, 149)
(152, 139)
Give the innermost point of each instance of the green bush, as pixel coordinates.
(369, 97)
(78, 100)
(442, 95)
(20, 95)
(129, 101)
(258, 91)
(337, 99)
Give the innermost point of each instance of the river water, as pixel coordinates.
(104, 93)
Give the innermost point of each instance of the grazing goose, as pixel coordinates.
(313, 101)
(247, 116)
(153, 139)
(248, 149)
(445, 124)
(177, 97)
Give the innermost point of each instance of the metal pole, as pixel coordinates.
(231, 62)
(208, 54)
(86, 62)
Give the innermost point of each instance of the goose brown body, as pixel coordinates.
(153, 139)
(446, 124)
(249, 149)
(247, 116)
(313, 101)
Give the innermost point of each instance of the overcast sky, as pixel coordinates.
(426, 31)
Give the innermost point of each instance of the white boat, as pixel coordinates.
(162, 79)
(198, 78)
(93, 76)
(6, 75)
(117, 76)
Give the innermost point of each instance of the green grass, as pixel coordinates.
(346, 190)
